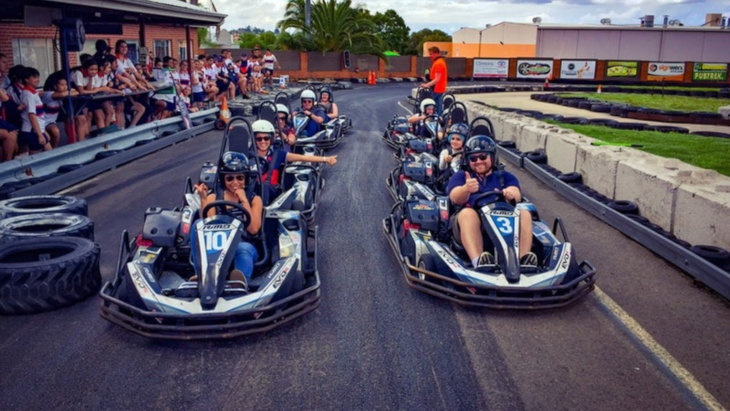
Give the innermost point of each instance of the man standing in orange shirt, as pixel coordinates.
(438, 77)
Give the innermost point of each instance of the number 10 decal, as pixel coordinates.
(216, 240)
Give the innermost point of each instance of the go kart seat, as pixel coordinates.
(239, 139)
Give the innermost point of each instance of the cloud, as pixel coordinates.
(451, 15)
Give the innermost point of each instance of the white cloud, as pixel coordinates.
(450, 15)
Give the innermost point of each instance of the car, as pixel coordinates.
(419, 232)
(171, 286)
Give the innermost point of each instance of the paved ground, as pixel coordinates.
(522, 100)
(375, 344)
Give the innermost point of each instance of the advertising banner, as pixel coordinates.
(709, 72)
(659, 71)
(619, 69)
(578, 69)
(534, 68)
(491, 68)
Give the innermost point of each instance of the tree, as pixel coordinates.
(415, 42)
(392, 29)
(335, 26)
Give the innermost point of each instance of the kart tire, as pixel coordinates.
(628, 126)
(43, 204)
(601, 108)
(711, 134)
(574, 120)
(667, 129)
(715, 255)
(26, 227)
(624, 207)
(45, 274)
(571, 178)
(426, 263)
(602, 122)
(537, 157)
(220, 124)
(507, 144)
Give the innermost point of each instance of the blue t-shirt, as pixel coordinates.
(490, 183)
(312, 127)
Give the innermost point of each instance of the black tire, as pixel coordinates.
(616, 111)
(628, 126)
(220, 124)
(715, 255)
(427, 263)
(585, 105)
(711, 134)
(537, 157)
(601, 108)
(46, 274)
(507, 144)
(574, 120)
(31, 226)
(702, 114)
(571, 177)
(43, 204)
(667, 129)
(624, 207)
(602, 121)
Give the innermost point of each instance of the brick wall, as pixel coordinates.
(10, 31)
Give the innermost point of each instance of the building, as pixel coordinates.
(501, 40)
(164, 27)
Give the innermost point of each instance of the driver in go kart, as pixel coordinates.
(428, 108)
(234, 174)
(284, 130)
(272, 160)
(482, 175)
(316, 115)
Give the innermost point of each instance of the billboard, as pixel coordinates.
(659, 71)
(491, 68)
(621, 69)
(578, 69)
(709, 72)
(534, 68)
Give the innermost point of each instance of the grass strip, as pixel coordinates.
(705, 152)
(658, 101)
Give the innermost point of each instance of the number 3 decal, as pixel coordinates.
(505, 225)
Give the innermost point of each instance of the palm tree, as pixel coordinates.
(335, 26)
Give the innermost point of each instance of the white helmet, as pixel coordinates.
(262, 126)
(280, 108)
(308, 94)
(427, 102)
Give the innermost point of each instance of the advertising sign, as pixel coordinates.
(578, 69)
(659, 71)
(491, 68)
(534, 68)
(625, 69)
(709, 72)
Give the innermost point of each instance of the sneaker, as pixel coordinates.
(237, 275)
(485, 259)
(529, 259)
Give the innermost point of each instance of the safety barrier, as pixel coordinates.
(68, 165)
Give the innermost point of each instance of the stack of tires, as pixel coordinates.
(48, 257)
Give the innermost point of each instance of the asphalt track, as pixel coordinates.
(375, 344)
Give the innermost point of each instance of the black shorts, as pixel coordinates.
(198, 97)
(30, 139)
(4, 125)
(267, 72)
(222, 86)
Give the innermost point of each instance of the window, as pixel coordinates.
(182, 51)
(162, 48)
(36, 53)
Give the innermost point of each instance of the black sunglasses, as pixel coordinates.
(307, 101)
(231, 178)
(476, 157)
(282, 118)
(263, 138)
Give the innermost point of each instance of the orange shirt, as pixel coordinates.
(439, 66)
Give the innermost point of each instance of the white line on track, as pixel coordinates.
(694, 387)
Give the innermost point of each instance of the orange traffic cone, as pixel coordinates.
(371, 77)
(599, 89)
(225, 113)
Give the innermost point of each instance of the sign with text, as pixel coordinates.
(709, 72)
(619, 69)
(534, 68)
(491, 68)
(659, 71)
(578, 69)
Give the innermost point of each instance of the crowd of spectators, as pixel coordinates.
(109, 92)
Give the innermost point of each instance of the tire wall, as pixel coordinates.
(690, 202)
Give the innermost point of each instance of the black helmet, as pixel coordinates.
(480, 144)
(458, 128)
(329, 93)
(233, 162)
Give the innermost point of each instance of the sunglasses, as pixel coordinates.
(282, 118)
(307, 101)
(263, 138)
(231, 178)
(476, 157)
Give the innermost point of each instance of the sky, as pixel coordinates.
(451, 15)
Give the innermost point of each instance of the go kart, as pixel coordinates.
(435, 263)
(328, 137)
(172, 280)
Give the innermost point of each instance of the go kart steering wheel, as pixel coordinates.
(222, 208)
(488, 198)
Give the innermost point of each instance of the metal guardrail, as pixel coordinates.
(696, 266)
(160, 134)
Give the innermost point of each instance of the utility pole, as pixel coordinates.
(308, 14)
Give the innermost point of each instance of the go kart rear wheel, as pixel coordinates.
(426, 263)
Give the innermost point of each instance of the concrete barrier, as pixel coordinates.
(690, 202)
